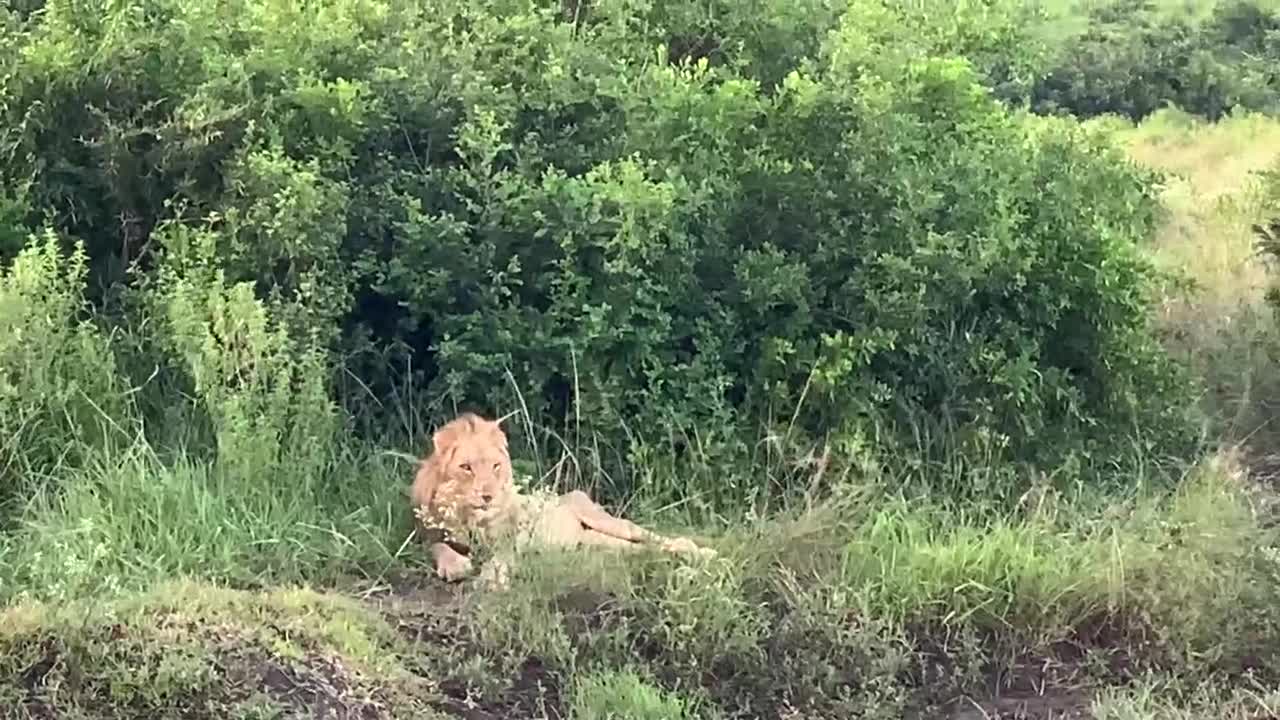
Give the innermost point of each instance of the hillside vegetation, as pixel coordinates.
(944, 323)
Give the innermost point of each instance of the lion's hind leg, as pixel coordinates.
(599, 525)
(596, 518)
(596, 538)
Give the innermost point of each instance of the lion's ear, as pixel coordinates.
(494, 428)
(446, 437)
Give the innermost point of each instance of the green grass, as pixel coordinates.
(624, 695)
(851, 607)
(1155, 699)
(127, 519)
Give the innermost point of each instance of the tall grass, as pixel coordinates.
(126, 520)
(1214, 316)
(1180, 562)
(1212, 197)
(1164, 701)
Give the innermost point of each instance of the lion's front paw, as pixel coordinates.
(452, 567)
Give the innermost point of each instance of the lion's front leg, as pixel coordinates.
(451, 565)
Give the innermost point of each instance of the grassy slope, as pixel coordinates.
(1222, 326)
(870, 606)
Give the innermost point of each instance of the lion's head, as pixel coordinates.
(466, 482)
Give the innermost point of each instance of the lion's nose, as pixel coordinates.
(487, 497)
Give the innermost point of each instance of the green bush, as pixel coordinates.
(1008, 42)
(61, 398)
(664, 250)
(1135, 57)
(263, 385)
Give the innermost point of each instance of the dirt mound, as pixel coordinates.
(420, 649)
(122, 672)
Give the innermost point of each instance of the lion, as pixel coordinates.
(465, 488)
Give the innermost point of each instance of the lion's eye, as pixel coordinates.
(497, 467)
(466, 467)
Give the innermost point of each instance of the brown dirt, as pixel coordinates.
(1049, 685)
(534, 693)
(426, 611)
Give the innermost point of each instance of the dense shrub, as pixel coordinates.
(262, 387)
(60, 397)
(674, 229)
(1008, 42)
(1134, 57)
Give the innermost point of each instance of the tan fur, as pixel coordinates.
(465, 487)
